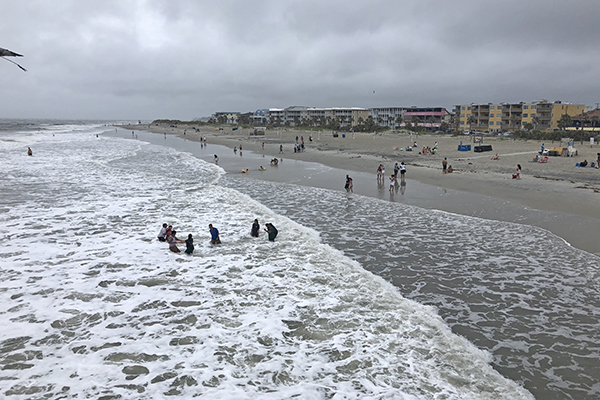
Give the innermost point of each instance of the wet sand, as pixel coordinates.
(557, 195)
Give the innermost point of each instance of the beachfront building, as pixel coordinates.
(260, 117)
(226, 117)
(503, 117)
(589, 120)
(391, 117)
(301, 115)
(430, 118)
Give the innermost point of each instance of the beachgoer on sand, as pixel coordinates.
(29, 151)
(392, 183)
(216, 159)
(445, 165)
(402, 170)
(517, 174)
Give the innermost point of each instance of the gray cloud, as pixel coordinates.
(149, 59)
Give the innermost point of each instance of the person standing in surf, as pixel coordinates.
(189, 244)
(272, 231)
(255, 228)
(214, 235)
(349, 186)
(162, 235)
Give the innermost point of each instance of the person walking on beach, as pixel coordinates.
(255, 228)
(444, 165)
(29, 151)
(272, 231)
(280, 149)
(517, 174)
(402, 170)
(396, 169)
(349, 185)
(392, 183)
(189, 244)
(214, 235)
(216, 159)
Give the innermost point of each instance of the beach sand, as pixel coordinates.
(557, 186)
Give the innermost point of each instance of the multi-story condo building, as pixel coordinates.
(395, 117)
(430, 118)
(295, 115)
(511, 116)
(388, 116)
(227, 117)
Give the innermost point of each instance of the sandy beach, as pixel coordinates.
(556, 186)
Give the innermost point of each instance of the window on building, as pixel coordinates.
(462, 115)
(468, 108)
(533, 107)
(462, 108)
(525, 107)
(524, 115)
(491, 122)
(532, 115)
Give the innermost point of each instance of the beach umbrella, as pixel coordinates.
(7, 53)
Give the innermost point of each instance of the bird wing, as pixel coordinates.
(8, 53)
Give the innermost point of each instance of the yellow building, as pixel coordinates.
(491, 117)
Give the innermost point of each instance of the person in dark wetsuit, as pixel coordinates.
(189, 244)
(272, 231)
(255, 228)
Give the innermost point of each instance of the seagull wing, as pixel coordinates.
(8, 53)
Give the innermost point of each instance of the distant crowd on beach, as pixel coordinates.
(168, 235)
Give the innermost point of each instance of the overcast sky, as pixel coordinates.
(181, 59)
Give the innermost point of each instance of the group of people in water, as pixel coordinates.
(168, 234)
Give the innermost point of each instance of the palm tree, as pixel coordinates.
(515, 120)
(398, 120)
(470, 120)
(536, 121)
(431, 121)
(585, 118)
(565, 121)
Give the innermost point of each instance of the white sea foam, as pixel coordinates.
(93, 305)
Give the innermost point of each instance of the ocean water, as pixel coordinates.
(357, 298)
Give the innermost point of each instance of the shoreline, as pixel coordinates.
(568, 207)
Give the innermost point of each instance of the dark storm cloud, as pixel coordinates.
(147, 59)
